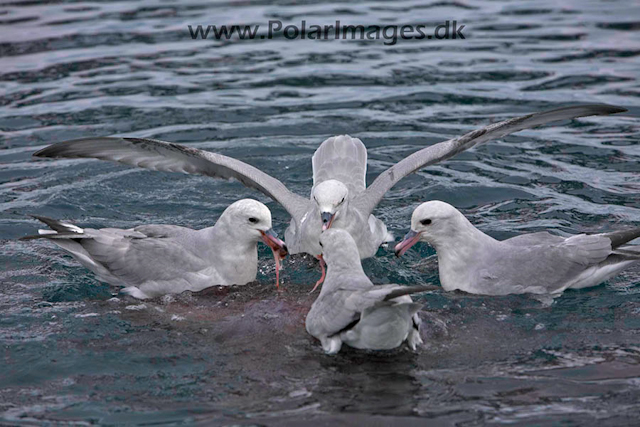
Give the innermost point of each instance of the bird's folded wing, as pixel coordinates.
(410, 290)
(585, 249)
(361, 300)
(329, 315)
(340, 308)
(161, 230)
(169, 157)
(621, 237)
(444, 150)
(137, 260)
(548, 265)
(531, 239)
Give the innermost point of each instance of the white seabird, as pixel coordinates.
(537, 263)
(352, 310)
(154, 260)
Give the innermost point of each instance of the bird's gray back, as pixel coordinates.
(532, 239)
(165, 253)
(539, 268)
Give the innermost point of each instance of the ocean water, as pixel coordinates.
(73, 354)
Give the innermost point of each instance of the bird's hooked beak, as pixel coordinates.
(410, 239)
(327, 219)
(270, 238)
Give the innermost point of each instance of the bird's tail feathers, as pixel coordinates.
(628, 251)
(58, 226)
(59, 230)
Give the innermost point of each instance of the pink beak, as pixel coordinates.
(410, 239)
(270, 238)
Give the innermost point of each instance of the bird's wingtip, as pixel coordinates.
(40, 153)
(614, 109)
(49, 151)
(605, 109)
(64, 148)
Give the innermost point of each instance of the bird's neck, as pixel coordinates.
(235, 256)
(465, 247)
(345, 265)
(234, 239)
(338, 271)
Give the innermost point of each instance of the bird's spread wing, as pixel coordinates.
(342, 158)
(168, 157)
(444, 150)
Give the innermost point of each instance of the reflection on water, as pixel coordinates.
(223, 356)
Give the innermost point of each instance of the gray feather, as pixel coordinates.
(341, 158)
(164, 156)
(58, 236)
(409, 290)
(619, 238)
(447, 149)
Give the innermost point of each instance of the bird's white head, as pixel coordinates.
(331, 197)
(250, 220)
(339, 249)
(433, 222)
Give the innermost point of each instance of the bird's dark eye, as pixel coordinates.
(342, 201)
(253, 220)
(425, 222)
(321, 244)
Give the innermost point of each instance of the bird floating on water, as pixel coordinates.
(154, 260)
(352, 310)
(537, 263)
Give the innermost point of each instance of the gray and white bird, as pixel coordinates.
(537, 263)
(352, 310)
(154, 260)
(339, 197)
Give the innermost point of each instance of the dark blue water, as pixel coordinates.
(241, 355)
